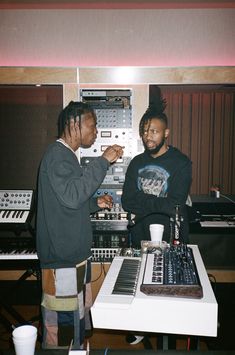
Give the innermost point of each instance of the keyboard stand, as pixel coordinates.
(168, 342)
(10, 310)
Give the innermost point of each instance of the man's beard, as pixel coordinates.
(155, 150)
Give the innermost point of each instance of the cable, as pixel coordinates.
(106, 351)
(104, 269)
(188, 344)
(99, 276)
(212, 281)
(229, 199)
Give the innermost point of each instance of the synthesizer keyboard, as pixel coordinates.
(23, 249)
(26, 254)
(17, 248)
(218, 220)
(172, 272)
(15, 205)
(218, 224)
(106, 291)
(155, 313)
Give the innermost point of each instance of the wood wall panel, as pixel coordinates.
(194, 153)
(186, 125)
(217, 153)
(158, 75)
(37, 75)
(229, 141)
(28, 118)
(205, 144)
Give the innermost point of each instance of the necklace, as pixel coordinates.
(62, 141)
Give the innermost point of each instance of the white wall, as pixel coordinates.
(156, 37)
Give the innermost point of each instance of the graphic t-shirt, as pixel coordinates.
(153, 188)
(153, 179)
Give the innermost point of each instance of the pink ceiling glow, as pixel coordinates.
(50, 4)
(117, 33)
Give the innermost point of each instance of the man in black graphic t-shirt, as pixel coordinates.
(156, 181)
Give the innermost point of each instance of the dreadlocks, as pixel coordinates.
(155, 110)
(73, 111)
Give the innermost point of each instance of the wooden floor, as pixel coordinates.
(102, 339)
(99, 339)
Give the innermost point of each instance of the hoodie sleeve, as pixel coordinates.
(73, 184)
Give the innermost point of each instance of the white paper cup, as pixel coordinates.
(156, 232)
(24, 339)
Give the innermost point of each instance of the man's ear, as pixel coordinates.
(167, 132)
(77, 125)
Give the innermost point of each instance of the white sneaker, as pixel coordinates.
(134, 339)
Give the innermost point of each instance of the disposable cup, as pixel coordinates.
(24, 339)
(156, 232)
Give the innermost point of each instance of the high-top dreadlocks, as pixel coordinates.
(155, 110)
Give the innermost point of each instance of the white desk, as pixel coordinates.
(158, 314)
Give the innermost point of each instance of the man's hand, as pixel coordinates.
(113, 152)
(105, 201)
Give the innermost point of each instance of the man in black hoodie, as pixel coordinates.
(156, 182)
